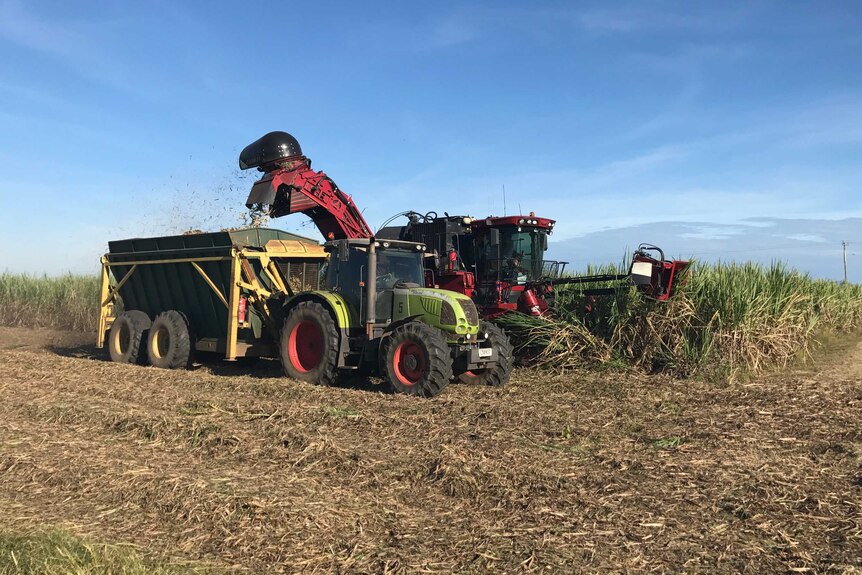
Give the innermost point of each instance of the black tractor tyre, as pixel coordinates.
(416, 359)
(498, 375)
(127, 338)
(170, 344)
(309, 344)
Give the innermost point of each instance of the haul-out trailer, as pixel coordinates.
(224, 285)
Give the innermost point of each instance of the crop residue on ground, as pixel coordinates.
(583, 473)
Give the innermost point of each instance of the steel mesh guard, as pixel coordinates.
(300, 276)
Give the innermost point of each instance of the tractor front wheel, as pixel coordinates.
(416, 359)
(498, 375)
(309, 344)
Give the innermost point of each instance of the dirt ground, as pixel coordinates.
(591, 472)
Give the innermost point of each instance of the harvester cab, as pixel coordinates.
(497, 261)
(508, 259)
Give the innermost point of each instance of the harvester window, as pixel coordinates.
(518, 257)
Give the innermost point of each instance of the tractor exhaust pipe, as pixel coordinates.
(371, 286)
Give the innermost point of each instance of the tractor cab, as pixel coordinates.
(397, 265)
(379, 284)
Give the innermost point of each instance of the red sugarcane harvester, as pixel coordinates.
(497, 261)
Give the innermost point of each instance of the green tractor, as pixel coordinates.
(376, 318)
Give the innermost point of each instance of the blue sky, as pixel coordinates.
(126, 119)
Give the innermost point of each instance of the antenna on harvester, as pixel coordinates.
(504, 199)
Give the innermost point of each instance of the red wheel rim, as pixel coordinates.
(409, 363)
(305, 346)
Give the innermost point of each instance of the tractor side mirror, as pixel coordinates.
(494, 236)
(343, 252)
(544, 242)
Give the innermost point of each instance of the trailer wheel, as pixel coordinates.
(416, 359)
(127, 334)
(170, 343)
(309, 344)
(498, 375)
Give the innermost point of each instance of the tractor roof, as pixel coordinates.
(380, 244)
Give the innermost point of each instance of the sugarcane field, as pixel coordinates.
(586, 297)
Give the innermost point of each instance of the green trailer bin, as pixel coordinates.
(223, 282)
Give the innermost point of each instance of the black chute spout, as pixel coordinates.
(270, 148)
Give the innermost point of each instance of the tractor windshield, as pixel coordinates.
(394, 266)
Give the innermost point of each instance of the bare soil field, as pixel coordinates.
(243, 469)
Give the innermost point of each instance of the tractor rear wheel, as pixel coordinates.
(498, 375)
(416, 359)
(170, 344)
(309, 344)
(127, 334)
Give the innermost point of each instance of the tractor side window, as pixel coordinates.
(345, 276)
(323, 275)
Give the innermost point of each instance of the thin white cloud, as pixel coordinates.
(817, 238)
(711, 232)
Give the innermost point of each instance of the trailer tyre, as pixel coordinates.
(416, 359)
(498, 375)
(309, 344)
(170, 344)
(127, 338)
